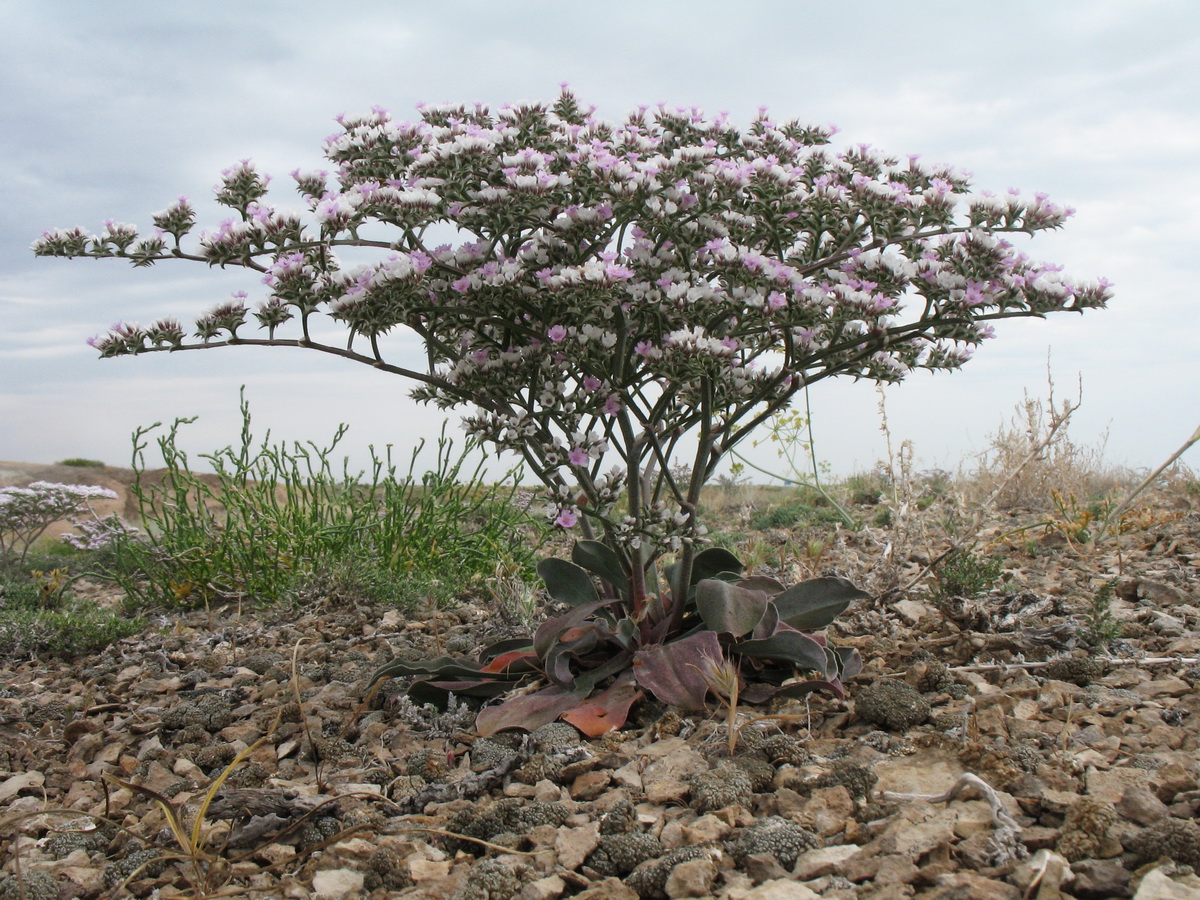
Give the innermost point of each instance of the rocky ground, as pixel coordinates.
(983, 753)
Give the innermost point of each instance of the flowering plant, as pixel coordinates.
(26, 512)
(639, 290)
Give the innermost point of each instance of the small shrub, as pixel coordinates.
(964, 574)
(80, 463)
(1100, 627)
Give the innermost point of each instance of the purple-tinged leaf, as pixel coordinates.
(606, 711)
(762, 583)
(674, 672)
(549, 631)
(528, 711)
(851, 662)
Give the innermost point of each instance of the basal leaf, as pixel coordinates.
(729, 608)
(566, 582)
(511, 662)
(673, 672)
(713, 562)
(789, 646)
(550, 630)
(800, 688)
(815, 603)
(606, 711)
(528, 711)
(851, 662)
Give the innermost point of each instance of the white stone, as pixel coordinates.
(334, 884)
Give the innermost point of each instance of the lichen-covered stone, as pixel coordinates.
(1079, 670)
(539, 767)
(620, 854)
(1084, 828)
(650, 880)
(785, 748)
(761, 772)
(493, 879)
(554, 737)
(147, 863)
(428, 764)
(777, 836)
(1176, 838)
(895, 705)
(723, 786)
(857, 779)
(212, 712)
(490, 754)
(620, 819)
(386, 869)
(65, 843)
(510, 815)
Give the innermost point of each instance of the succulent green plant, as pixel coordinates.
(607, 651)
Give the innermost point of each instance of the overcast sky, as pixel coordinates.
(113, 111)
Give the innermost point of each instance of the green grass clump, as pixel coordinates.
(279, 522)
(80, 463)
(795, 515)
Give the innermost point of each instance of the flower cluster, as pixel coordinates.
(95, 534)
(618, 286)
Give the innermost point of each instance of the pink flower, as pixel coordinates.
(577, 457)
(612, 405)
(557, 333)
(566, 518)
(591, 383)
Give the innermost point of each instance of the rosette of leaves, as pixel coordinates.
(602, 655)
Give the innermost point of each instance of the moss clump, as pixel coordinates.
(208, 711)
(622, 818)
(1079, 670)
(723, 786)
(895, 705)
(493, 879)
(857, 779)
(504, 817)
(777, 836)
(650, 881)
(620, 854)
(761, 772)
(386, 869)
(31, 886)
(1084, 828)
(1176, 838)
(785, 748)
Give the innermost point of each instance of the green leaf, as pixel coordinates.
(729, 608)
(713, 562)
(788, 646)
(601, 560)
(815, 603)
(674, 672)
(566, 582)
